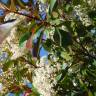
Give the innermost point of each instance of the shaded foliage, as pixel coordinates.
(67, 37)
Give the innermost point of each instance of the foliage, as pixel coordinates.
(70, 29)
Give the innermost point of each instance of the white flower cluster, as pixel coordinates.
(44, 78)
(12, 40)
(80, 13)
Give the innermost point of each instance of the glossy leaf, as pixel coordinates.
(92, 14)
(23, 38)
(64, 38)
(52, 3)
(90, 93)
(21, 4)
(47, 45)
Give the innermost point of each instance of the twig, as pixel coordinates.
(25, 60)
(32, 17)
(87, 52)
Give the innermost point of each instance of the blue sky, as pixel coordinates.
(43, 52)
(5, 1)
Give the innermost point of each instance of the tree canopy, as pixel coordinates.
(66, 29)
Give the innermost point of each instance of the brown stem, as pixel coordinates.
(23, 14)
(30, 63)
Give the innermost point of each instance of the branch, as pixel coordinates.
(32, 17)
(29, 62)
(87, 52)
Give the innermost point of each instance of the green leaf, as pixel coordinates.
(37, 31)
(68, 25)
(77, 2)
(92, 14)
(17, 74)
(90, 93)
(58, 77)
(94, 62)
(21, 4)
(48, 45)
(80, 29)
(52, 3)
(68, 8)
(91, 73)
(7, 65)
(57, 37)
(23, 71)
(35, 91)
(39, 43)
(66, 38)
(63, 38)
(82, 84)
(24, 38)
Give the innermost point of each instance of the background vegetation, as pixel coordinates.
(66, 29)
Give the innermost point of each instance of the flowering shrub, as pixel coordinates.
(65, 29)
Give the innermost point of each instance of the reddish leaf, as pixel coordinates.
(27, 93)
(29, 43)
(33, 30)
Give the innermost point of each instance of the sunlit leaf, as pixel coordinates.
(7, 65)
(24, 37)
(90, 93)
(21, 4)
(52, 3)
(35, 92)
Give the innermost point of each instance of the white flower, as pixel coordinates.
(1, 86)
